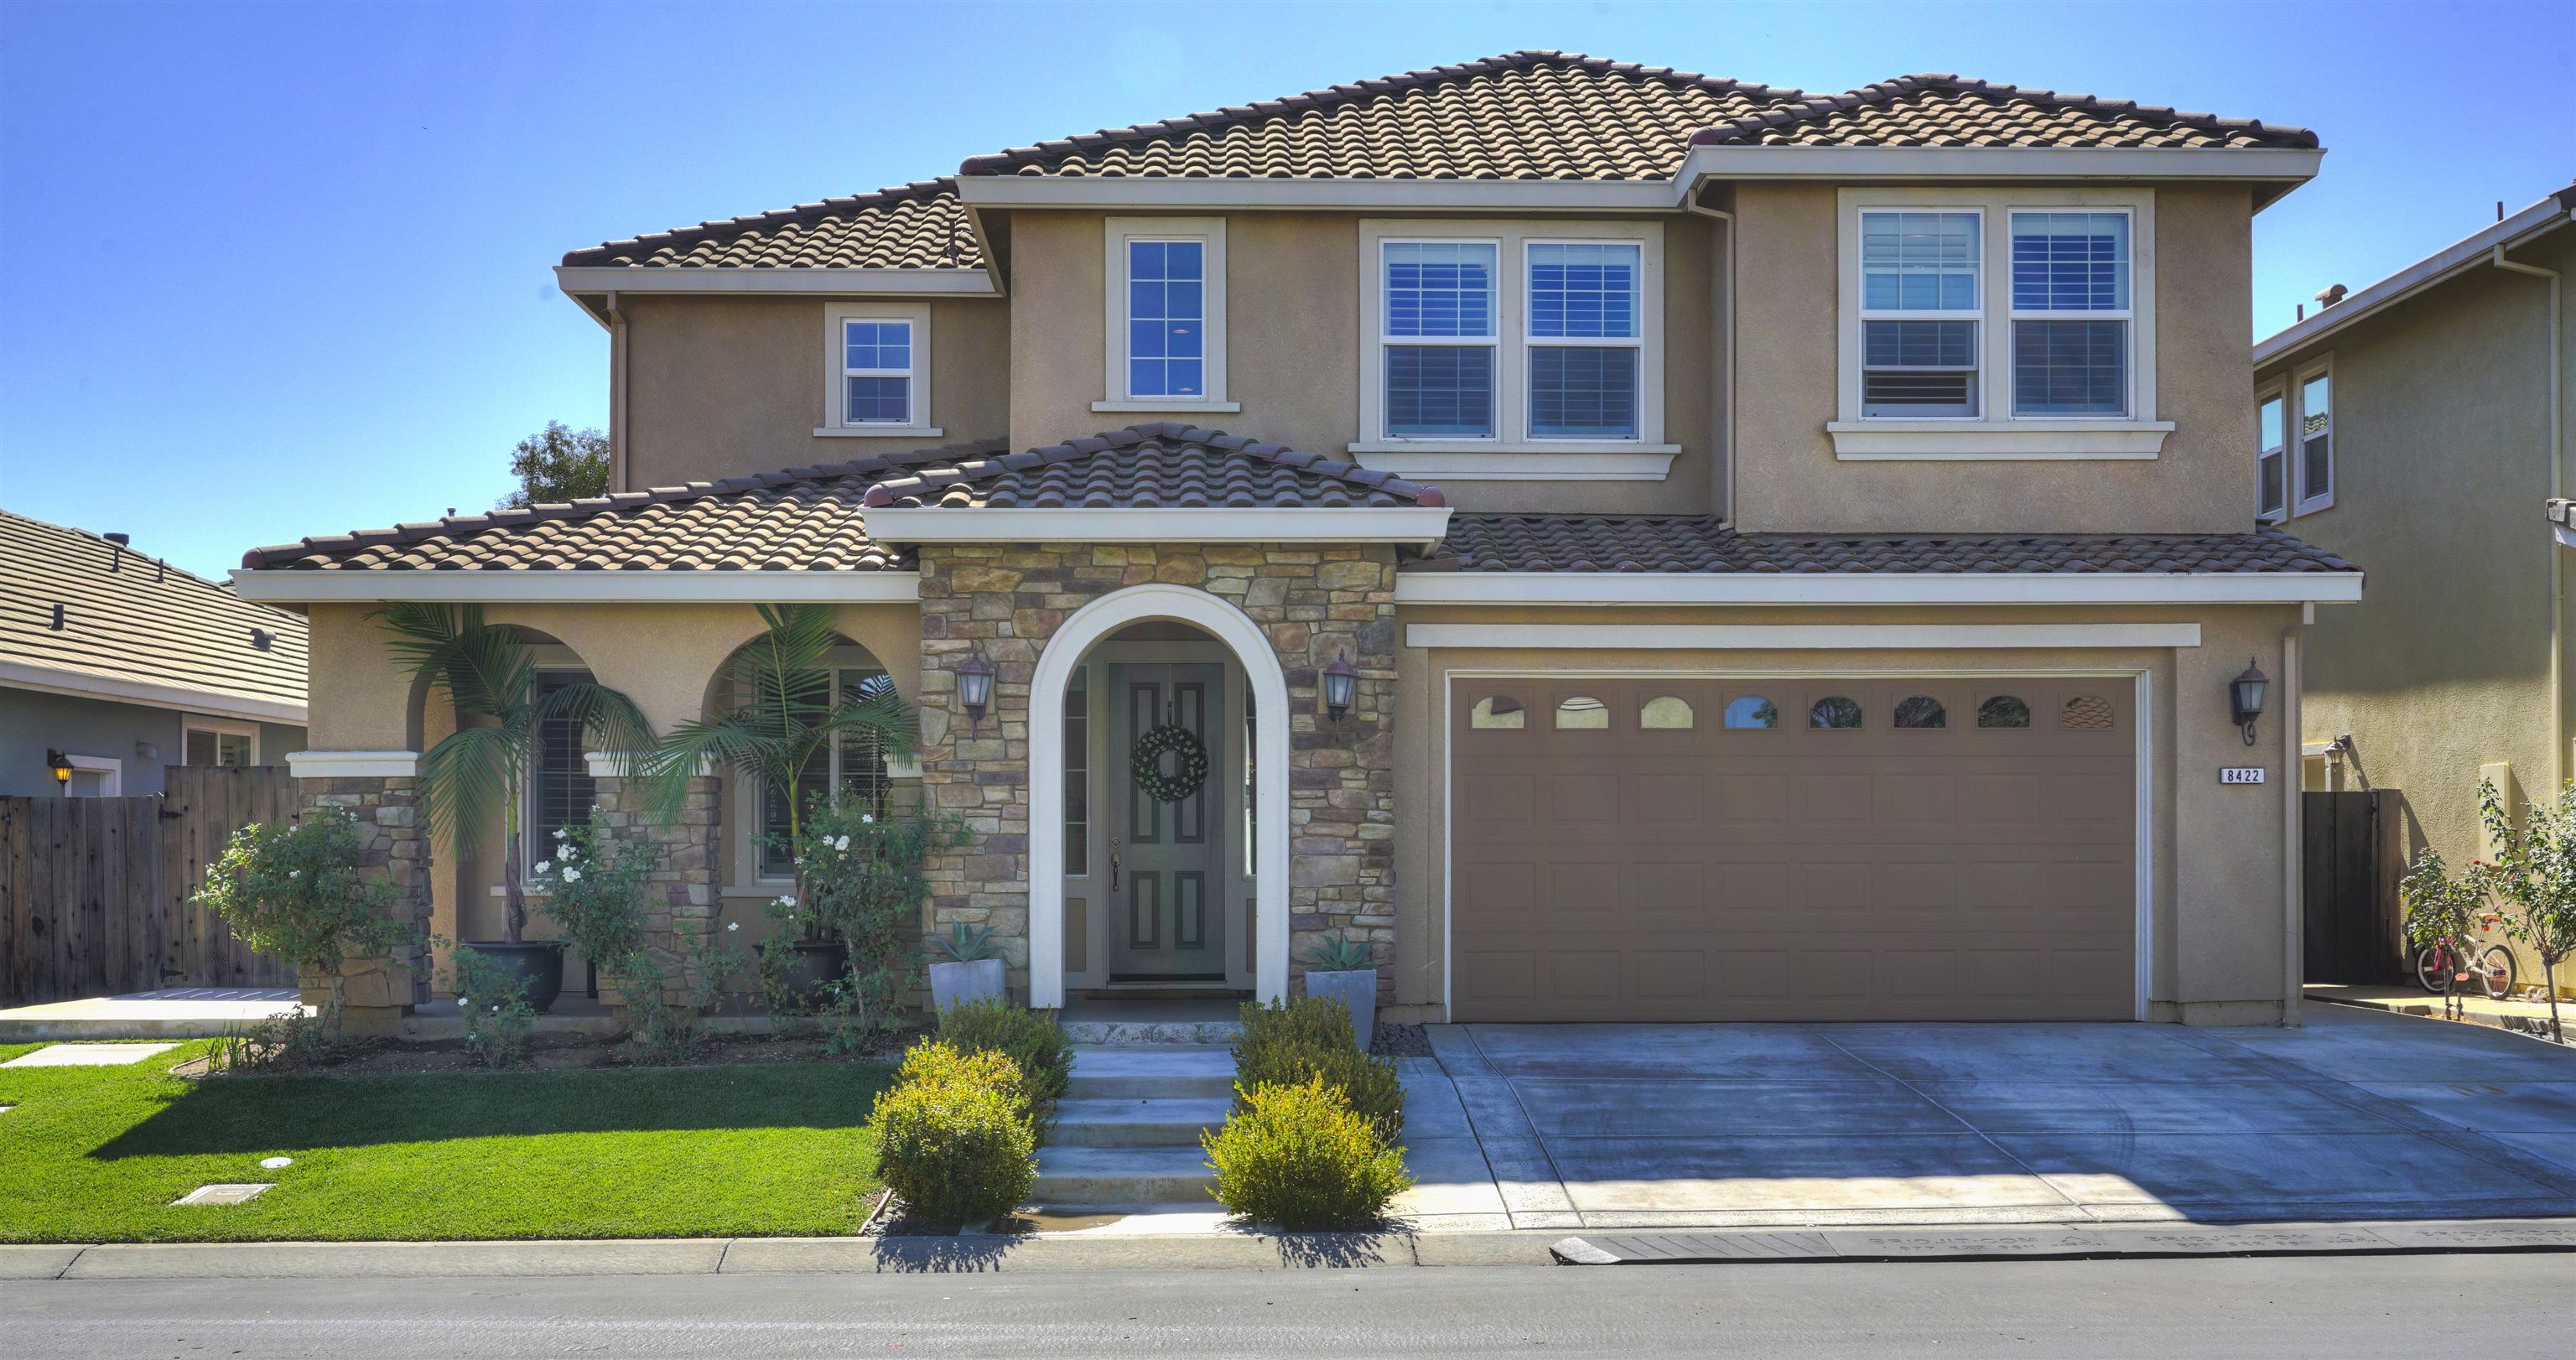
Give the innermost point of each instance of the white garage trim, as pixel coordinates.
(1799, 636)
(2143, 724)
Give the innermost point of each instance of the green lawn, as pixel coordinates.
(96, 1154)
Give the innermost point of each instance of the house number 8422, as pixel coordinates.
(2241, 774)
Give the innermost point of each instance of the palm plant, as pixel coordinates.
(483, 768)
(781, 716)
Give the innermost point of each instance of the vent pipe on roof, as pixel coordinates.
(119, 540)
(260, 638)
(2332, 295)
(57, 624)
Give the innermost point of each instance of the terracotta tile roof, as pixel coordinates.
(1947, 110)
(800, 519)
(128, 617)
(1696, 543)
(912, 226)
(1166, 465)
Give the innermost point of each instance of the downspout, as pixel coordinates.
(616, 396)
(1691, 203)
(2294, 968)
(2557, 490)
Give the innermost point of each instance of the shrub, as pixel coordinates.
(493, 998)
(1309, 1039)
(296, 891)
(662, 1030)
(595, 889)
(953, 1136)
(1033, 1040)
(1300, 1158)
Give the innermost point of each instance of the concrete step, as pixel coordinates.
(1195, 1032)
(1136, 1123)
(1073, 1177)
(1151, 1071)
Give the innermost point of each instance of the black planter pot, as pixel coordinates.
(817, 963)
(539, 964)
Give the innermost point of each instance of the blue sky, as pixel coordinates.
(279, 269)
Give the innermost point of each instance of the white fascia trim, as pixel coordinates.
(2472, 251)
(353, 764)
(1991, 163)
(1998, 441)
(147, 693)
(582, 587)
(1497, 465)
(1798, 636)
(594, 279)
(1367, 524)
(1657, 588)
(1071, 191)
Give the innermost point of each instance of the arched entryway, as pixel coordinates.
(1266, 686)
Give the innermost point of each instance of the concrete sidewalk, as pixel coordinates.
(2520, 1017)
(169, 1013)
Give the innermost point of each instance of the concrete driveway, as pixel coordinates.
(2356, 1115)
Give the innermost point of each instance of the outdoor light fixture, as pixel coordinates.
(1340, 683)
(62, 767)
(975, 686)
(2245, 697)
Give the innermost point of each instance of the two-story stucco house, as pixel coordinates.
(1793, 553)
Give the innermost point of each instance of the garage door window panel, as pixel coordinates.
(1498, 713)
(1667, 713)
(1835, 713)
(1921, 713)
(1582, 713)
(2003, 711)
(1752, 713)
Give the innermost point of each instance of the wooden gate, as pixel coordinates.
(2354, 927)
(94, 895)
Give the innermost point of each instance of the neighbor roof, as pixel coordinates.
(1530, 115)
(1698, 543)
(1166, 466)
(135, 629)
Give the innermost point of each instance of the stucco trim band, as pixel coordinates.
(1891, 587)
(1266, 524)
(353, 764)
(1798, 636)
(584, 587)
(149, 694)
(827, 280)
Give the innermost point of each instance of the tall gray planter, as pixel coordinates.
(1355, 988)
(954, 983)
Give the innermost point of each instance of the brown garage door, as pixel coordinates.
(1634, 849)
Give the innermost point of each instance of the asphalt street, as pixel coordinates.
(2510, 1305)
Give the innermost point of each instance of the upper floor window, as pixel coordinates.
(2294, 464)
(1440, 339)
(1166, 314)
(877, 369)
(2070, 313)
(2272, 457)
(1919, 313)
(2316, 441)
(1584, 343)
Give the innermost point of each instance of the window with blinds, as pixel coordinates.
(1920, 308)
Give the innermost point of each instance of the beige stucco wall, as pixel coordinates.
(719, 386)
(2442, 430)
(2219, 862)
(1293, 349)
(1788, 481)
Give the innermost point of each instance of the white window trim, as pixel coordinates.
(194, 722)
(1116, 232)
(749, 881)
(836, 421)
(1976, 315)
(2271, 391)
(1998, 435)
(1504, 456)
(110, 769)
(2302, 503)
(1529, 341)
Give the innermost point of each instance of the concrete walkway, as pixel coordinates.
(170, 1013)
(2522, 1017)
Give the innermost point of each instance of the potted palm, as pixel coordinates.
(481, 770)
(780, 721)
(1346, 970)
(968, 967)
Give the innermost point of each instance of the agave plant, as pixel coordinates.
(482, 769)
(1341, 954)
(965, 944)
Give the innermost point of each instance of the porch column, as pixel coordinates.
(378, 793)
(683, 893)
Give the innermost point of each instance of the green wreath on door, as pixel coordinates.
(1146, 763)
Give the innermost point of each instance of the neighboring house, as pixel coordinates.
(1790, 553)
(120, 664)
(2416, 425)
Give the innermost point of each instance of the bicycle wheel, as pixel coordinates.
(2430, 969)
(2495, 972)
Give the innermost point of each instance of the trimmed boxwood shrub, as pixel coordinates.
(1292, 1042)
(1298, 1157)
(953, 1135)
(1033, 1040)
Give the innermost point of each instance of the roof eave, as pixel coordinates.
(307, 585)
(2470, 252)
(150, 693)
(2273, 171)
(1875, 588)
(1282, 194)
(580, 281)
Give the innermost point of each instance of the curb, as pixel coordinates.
(992, 1253)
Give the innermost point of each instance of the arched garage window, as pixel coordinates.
(1834, 711)
(1752, 711)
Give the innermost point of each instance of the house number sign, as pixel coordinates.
(2240, 774)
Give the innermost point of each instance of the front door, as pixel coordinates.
(1167, 873)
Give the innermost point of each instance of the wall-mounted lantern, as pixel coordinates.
(61, 765)
(975, 686)
(2245, 697)
(1340, 684)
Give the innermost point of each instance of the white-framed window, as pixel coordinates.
(218, 741)
(94, 777)
(2316, 468)
(846, 765)
(1511, 337)
(1165, 303)
(1998, 323)
(2272, 455)
(876, 370)
(560, 787)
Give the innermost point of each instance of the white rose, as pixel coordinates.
(559, 833)
(787, 901)
(570, 853)
(733, 925)
(867, 819)
(572, 875)
(842, 843)
(464, 1001)
(545, 866)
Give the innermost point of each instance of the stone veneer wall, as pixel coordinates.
(392, 842)
(684, 889)
(1314, 603)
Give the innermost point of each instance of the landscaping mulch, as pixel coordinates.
(1400, 1041)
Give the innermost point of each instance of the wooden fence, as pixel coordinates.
(2355, 852)
(94, 895)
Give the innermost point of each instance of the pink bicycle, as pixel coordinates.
(2456, 958)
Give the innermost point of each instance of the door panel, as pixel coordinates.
(1170, 856)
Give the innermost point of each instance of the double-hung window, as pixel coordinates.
(2272, 457)
(1440, 339)
(1585, 344)
(2070, 313)
(877, 370)
(1921, 302)
(1165, 289)
(2316, 440)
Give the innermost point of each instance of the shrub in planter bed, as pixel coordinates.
(1033, 1040)
(953, 1135)
(1300, 1158)
(1309, 1038)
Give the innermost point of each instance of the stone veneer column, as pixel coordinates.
(1314, 603)
(684, 888)
(391, 845)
